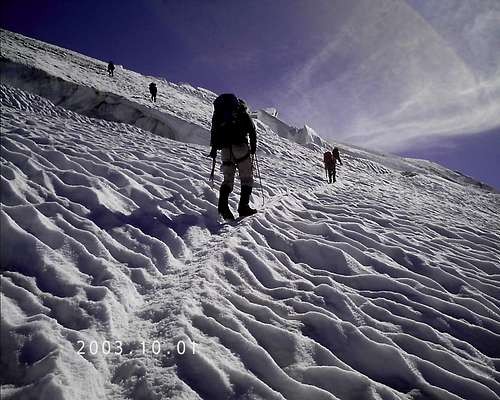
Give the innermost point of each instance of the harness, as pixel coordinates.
(233, 160)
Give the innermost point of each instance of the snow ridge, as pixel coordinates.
(382, 286)
(108, 106)
(305, 136)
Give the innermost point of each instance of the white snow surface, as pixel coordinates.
(306, 136)
(384, 285)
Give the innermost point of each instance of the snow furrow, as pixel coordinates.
(384, 285)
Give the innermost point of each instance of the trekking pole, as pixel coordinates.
(211, 179)
(258, 175)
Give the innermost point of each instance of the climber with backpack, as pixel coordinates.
(330, 160)
(153, 90)
(111, 68)
(231, 128)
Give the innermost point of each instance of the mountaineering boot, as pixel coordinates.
(223, 207)
(243, 208)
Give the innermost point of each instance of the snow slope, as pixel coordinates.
(305, 136)
(81, 84)
(382, 286)
(183, 113)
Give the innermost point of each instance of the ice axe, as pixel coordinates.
(212, 154)
(211, 179)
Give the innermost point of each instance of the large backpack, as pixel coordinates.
(328, 159)
(226, 129)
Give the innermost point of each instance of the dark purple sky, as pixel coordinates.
(411, 77)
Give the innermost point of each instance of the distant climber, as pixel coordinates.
(231, 128)
(153, 90)
(111, 68)
(330, 161)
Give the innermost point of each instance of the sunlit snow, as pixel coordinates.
(119, 280)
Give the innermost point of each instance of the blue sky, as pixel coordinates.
(414, 77)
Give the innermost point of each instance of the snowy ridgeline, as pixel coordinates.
(119, 282)
(305, 136)
(79, 83)
(183, 113)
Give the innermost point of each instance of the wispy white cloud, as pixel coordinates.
(389, 76)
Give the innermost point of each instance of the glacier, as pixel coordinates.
(118, 280)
